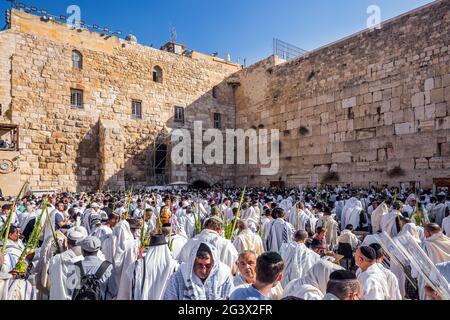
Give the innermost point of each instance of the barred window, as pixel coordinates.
(179, 114)
(136, 109)
(76, 98)
(77, 59)
(217, 121)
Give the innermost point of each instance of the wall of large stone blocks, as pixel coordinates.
(60, 145)
(374, 107)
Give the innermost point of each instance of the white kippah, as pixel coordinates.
(77, 233)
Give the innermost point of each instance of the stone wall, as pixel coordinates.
(60, 145)
(374, 107)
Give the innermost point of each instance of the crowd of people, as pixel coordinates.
(221, 244)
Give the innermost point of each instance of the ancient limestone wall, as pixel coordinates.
(60, 145)
(374, 107)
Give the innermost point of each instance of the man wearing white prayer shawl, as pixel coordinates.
(187, 222)
(347, 236)
(351, 213)
(211, 234)
(298, 217)
(331, 226)
(147, 278)
(390, 222)
(59, 264)
(446, 224)
(440, 210)
(436, 244)
(14, 289)
(176, 240)
(247, 240)
(373, 280)
(280, 231)
(202, 277)
(120, 248)
(298, 259)
(376, 216)
(13, 250)
(391, 278)
(313, 286)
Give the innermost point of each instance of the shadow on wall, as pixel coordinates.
(146, 161)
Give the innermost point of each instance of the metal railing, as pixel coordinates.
(286, 51)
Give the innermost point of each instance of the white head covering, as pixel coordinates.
(77, 234)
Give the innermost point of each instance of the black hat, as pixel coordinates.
(342, 275)
(158, 240)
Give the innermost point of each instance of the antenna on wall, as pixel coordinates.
(173, 34)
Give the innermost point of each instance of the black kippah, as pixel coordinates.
(368, 252)
(342, 275)
(378, 249)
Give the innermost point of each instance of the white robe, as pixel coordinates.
(313, 286)
(147, 278)
(298, 218)
(120, 248)
(58, 272)
(225, 249)
(247, 240)
(388, 223)
(438, 213)
(351, 213)
(437, 248)
(277, 229)
(178, 243)
(298, 260)
(446, 226)
(374, 284)
(376, 216)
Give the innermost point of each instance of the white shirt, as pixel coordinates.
(446, 226)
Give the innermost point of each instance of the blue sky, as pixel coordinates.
(242, 28)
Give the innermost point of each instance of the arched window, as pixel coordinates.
(157, 74)
(77, 59)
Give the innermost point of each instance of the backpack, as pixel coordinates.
(90, 288)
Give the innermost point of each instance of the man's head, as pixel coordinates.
(113, 219)
(61, 206)
(247, 266)
(269, 268)
(242, 225)
(316, 246)
(90, 246)
(75, 235)
(431, 229)
(397, 205)
(365, 257)
(278, 213)
(300, 236)
(6, 208)
(215, 224)
(204, 262)
(320, 231)
(344, 285)
(379, 252)
(14, 233)
(349, 227)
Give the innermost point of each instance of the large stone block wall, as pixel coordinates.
(363, 107)
(60, 145)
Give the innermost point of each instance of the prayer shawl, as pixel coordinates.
(313, 286)
(348, 237)
(438, 213)
(13, 252)
(298, 218)
(15, 289)
(412, 229)
(177, 243)
(351, 213)
(446, 226)
(437, 248)
(298, 260)
(331, 234)
(120, 248)
(247, 240)
(58, 273)
(275, 294)
(376, 216)
(185, 285)
(147, 278)
(226, 251)
(388, 223)
(187, 224)
(280, 232)
(374, 284)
